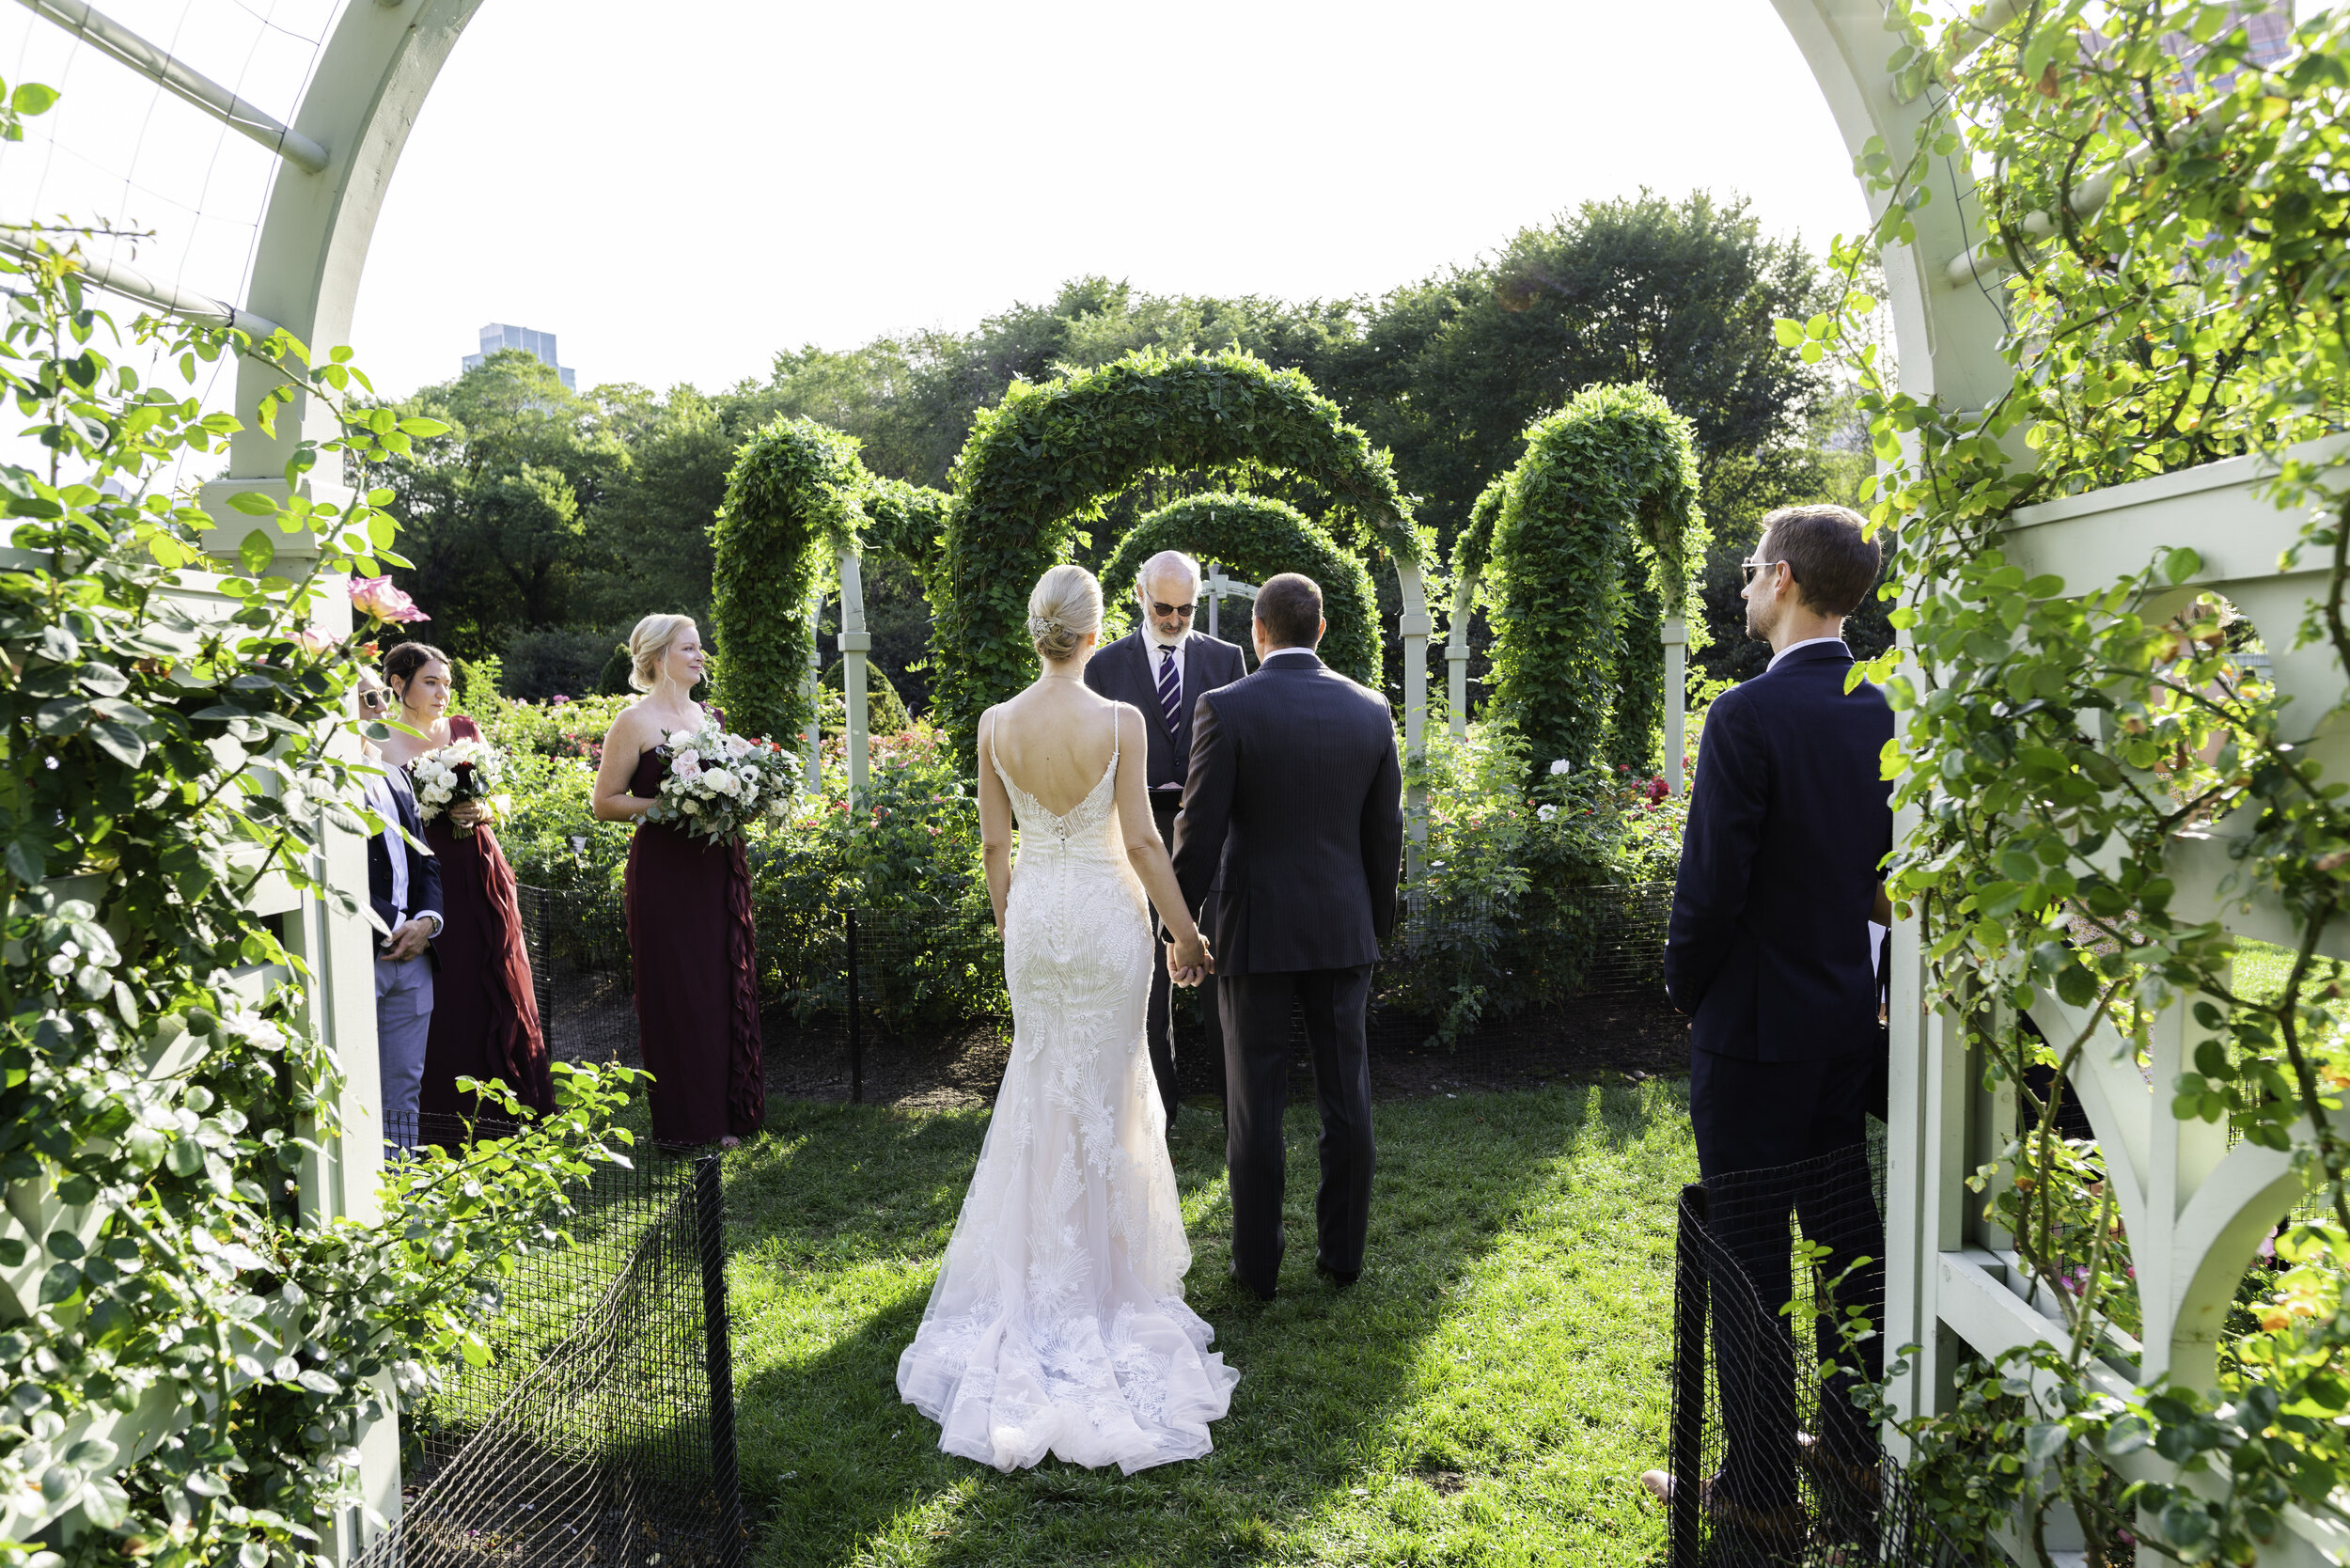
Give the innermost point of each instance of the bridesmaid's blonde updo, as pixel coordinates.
(1066, 605)
(647, 643)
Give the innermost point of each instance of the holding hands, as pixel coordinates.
(1188, 961)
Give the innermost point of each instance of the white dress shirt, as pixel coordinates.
(1284, 652)
(1160, 651)
(1807, 642)
(385, 804)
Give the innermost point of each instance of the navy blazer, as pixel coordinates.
(424, 871)
(1126, 671)
(1790, 823)
(1297, 796)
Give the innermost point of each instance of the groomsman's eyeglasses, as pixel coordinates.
(1750, 568)
(1187, 611)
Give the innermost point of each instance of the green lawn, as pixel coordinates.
(1487, 1395)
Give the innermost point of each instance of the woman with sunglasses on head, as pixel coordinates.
(486, 1024)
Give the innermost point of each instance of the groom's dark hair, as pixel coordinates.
(1289, 607)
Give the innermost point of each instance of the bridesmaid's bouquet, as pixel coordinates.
(717, 785)
(463, 770)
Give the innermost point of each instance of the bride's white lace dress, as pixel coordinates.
(1058, 1323)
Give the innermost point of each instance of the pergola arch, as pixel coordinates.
(1049, 454)
(1946, 1281)
(798, 499)
(1588, 539)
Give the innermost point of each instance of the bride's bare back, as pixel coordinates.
(1056, 740)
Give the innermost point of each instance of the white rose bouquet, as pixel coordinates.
(463, 770)
(717, 785)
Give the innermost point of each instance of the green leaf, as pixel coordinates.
(104, 1503)
(59, 1283)
(2180, 564)
(2076, 986)
(33, 98)
(418, 425)
(119, 740)
(253, 503)
(255, 552)
(2046, 1440)
(1788, 331)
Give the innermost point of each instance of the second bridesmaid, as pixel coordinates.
(485, 1017)
(689, 911)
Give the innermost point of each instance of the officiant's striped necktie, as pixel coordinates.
(1170, 692)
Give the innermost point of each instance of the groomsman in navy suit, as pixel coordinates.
(1163, 667)
(1768, 949)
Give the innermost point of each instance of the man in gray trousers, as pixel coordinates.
(404, 891)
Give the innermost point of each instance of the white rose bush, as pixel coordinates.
(470, 770)
(719, 784)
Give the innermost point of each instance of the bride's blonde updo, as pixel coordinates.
(1066, 605)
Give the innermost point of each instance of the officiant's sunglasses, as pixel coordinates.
(1750, 568)
(1187, 611)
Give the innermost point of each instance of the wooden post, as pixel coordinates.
(1676, 636)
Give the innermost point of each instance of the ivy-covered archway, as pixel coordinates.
(1581, 552)
(1042, 461)
(797, 500)
(1257, 536)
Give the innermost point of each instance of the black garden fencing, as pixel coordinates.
(905, 1004)
(1772, 1463)
(602, 1428)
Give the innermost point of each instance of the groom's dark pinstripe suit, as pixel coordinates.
(1295, 800)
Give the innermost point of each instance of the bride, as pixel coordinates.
(1057, 1325)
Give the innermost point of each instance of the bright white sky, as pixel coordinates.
(680, 191)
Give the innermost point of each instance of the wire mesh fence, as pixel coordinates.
(905, 1003)
(1772, 1463)
(602, 1428)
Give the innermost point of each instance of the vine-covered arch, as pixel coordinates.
(1257, 536)
(1046, 457)
(797, 500)
(1582, 550)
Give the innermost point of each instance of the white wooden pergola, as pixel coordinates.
(2195, 1208)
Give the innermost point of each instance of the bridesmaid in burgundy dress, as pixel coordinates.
(485, 1013)
(689, 914)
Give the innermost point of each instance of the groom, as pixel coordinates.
(1162, 668)
(1296, 801)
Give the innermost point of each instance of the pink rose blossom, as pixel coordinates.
(375, 596)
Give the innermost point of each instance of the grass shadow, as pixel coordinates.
(1486, 1392)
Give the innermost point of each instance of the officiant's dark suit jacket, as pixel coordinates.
(423, 871)
(1789, 824)
(1125, 673)
(1295, 796)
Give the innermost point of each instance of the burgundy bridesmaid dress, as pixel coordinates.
(689, 931)
(485, 1012)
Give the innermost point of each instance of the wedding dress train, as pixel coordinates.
(1058, 1323)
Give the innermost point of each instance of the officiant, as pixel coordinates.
(1162, 668)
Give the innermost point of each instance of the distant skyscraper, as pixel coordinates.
(539, 345)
